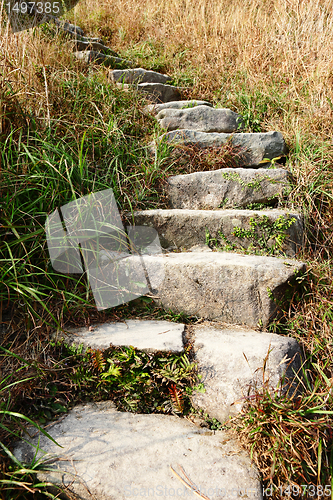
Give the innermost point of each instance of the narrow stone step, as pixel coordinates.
(87, 39)
(92, 56)
(95, 46)
(146, 335)
(156, 92)
(251, 149)
(183, 229)
(224, 286)
(138, 75)
(107, 454)
(227, 188)
(156, 108)
(231, 361)
(201, 118)
(68, 27)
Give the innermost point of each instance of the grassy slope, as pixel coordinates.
(271, 61)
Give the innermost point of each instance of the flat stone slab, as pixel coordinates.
(94, 46)
(156, 108)
(201, 118)
(229, 287)
(146, 335)
(231, 361)
(183, 229)
(68, 27)
(227, 188)
(251, 149)
(111, 455)
(138, 75)
(92, 56)
(158, 92)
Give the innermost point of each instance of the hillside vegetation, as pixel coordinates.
(66, 131)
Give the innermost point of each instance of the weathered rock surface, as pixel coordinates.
(91, 56)
(158, 92)
(68, 27)
(227, 188)
(94, 46)
(201, 118)
(107, 454)
(250, 149)
(184, 229)
(231, 362)
(237, 289)
(138, 75)
(156, 108)
(88, 39)
(148, 335)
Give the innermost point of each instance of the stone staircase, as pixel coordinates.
(107, 454)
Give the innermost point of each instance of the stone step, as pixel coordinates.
(183, 229)
(250, 149)
(108, 454)
(156, 108)
(95, 46)
(146, 335)
(231, 362)
(200, 118)
(92, 56)
(68, 27)
(155, 92)
(227, 188)
(138, 75)
(224, 286)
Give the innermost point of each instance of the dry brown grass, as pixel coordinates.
(283, 49)
(31, 62)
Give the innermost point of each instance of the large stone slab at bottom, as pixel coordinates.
(231, 361)
(147, 335)
(115, 455)
(186, 228)
(237, 289)
(251, 149)
(227, 188)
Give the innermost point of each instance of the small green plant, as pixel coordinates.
(214, 242)
(255, 184)
(266, 234)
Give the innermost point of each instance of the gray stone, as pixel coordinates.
(94, 46)
(227, 188)
(68, 27)
(111, 455)
(250, 149)
(147, 335)
(138, 75)
(184, 229)
(231, 362)
(156, 108)
(158, 92)
(237, 289)
(91, 56)
(202, 118)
